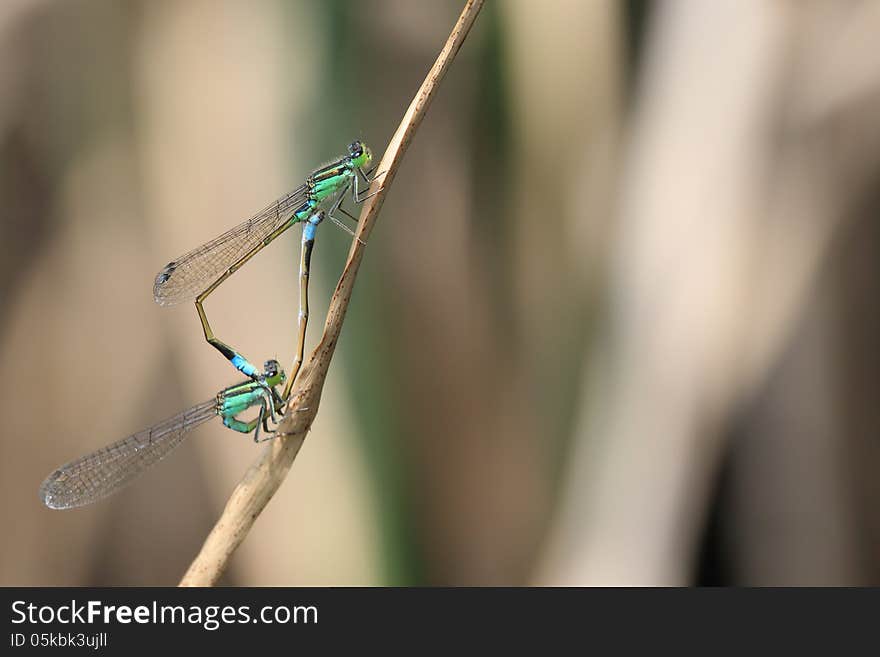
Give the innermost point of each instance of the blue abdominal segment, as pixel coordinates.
(242, 365)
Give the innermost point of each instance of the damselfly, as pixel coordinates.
(195, 275)
(110, 468)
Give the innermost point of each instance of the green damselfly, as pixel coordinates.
(105, 471)
(195, 275)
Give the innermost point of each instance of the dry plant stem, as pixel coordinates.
(265, 476)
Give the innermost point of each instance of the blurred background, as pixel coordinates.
(616, 324)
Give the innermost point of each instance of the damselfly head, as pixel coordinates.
(360, 154)
(272, 372)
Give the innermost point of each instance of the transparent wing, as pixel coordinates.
(185, 278)
(105, 471)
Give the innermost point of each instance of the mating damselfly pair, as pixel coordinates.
(193, 277)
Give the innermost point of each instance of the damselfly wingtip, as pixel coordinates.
(52, 490)
(160, 294)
